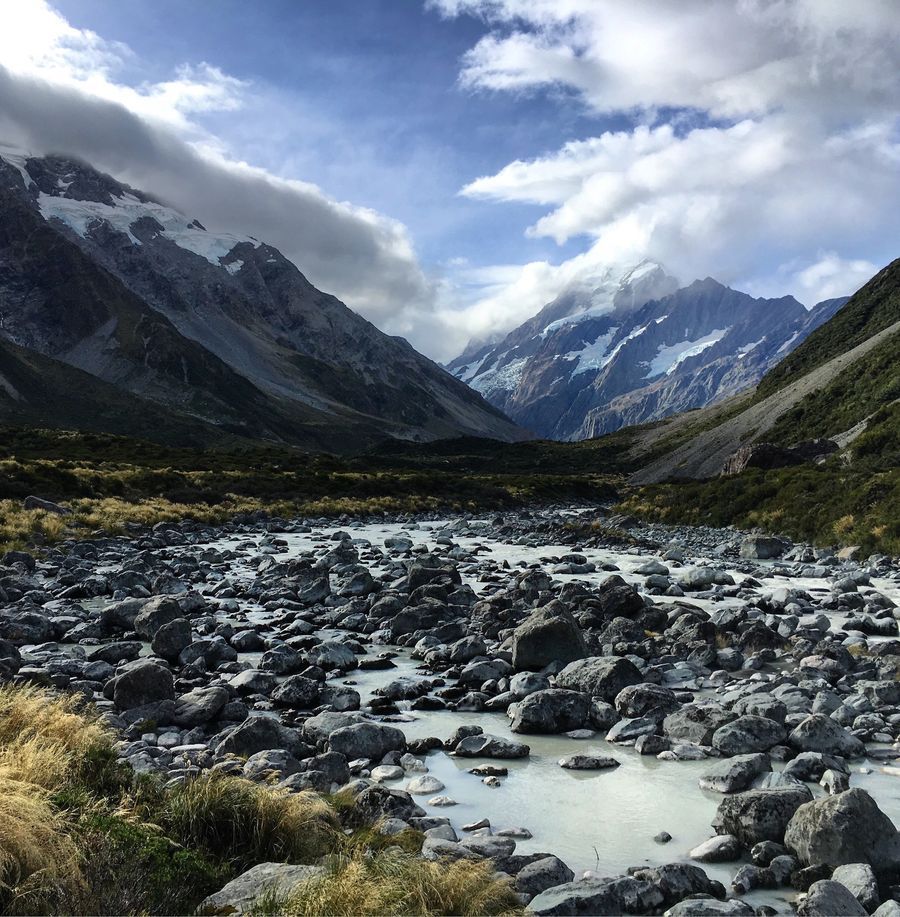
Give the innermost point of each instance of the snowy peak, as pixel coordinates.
(631, 347)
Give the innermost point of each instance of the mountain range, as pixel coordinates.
(633, 347)
(119, 313)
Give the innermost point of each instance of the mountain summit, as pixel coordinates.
(635, 348)
(218, 327)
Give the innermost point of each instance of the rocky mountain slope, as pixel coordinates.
(218, 327)
(840, 383)
(634, 348)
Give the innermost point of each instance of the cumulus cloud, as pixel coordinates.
(764, 133)
(59, 92)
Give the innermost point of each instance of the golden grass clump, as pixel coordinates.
(246, 823)
(396, 883)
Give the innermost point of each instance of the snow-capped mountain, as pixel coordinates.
(634, 348)
(215, 326)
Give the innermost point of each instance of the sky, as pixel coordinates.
(447, 167)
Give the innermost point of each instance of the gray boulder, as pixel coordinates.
(240, 895)
(748, 734)
(696, 723)
(821, 733)
(860, 879)
(142, 682)
(171, 638)
(644, 699)
(366, 740)
(734, 774)
(542, 874)
(602, 677)
(200, 706)
(490, 746)
(827, 898)
(552, 711)
(760, 815)
(547, 635)
(845, 828)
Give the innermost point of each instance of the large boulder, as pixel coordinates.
(142, 682)
(696, 723)
(821, 733)
(621, 895)
(762, 547)
(160, 610)
(734, 774)
(603, 677)
(551, 711)
(760, 815)
(485, 745)
(257, 733)
(241, 895)
(366, 740)
(171, 639)
(549, 634)
(861, 880)
(200, 706)
(649, 700)
(827, 898)
(748, 734)
(845, 828)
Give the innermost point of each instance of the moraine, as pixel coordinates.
(340, 596)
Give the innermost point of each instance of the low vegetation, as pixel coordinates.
(81, 833)
(394, 882)
(113, 483)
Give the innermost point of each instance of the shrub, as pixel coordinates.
(394, 882)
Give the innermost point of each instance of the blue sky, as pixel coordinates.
(447, 167)
(363, 100)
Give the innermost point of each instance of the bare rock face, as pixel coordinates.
(766, 456)
(845, 828)
(628, 346)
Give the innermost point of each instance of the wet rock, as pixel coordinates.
(821, 733)
(490, 746)
(241, 894)
(602, 677)
(548, 635)
(830, 899)
(552, 711)
(142, 682)
(748, 734)
(588, 762)
(723, 848)
(734, 774)
(760, 815)
(366, 740)
(547, 872)
(842, 829)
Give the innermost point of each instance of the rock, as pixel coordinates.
(748, 734)
(860, 879)
(759, 815)
(241, 894)
(621, 895)
(821, 733)
(253, 681)
(424, 785)
(377, 802)
(549, 634)
(890, 908)
(256, 733)
(171, 638)
(142, 682)
(830, 899)
(767, 456)
(524, 683)
(547, 872)
(696, 723)
(490, 746)
(588, 762)
(602, 677)
(723, 848)
(331, 655)
(734, 774)
(298, 691)
(366, 740)
(160, 610)
(762, 547)
(200, 706)
(552, 711)
(648, 700)
(842, 829)
(32, 502)
(710, 907)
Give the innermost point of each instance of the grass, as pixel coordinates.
(81, 833)
(394, 882)
(114, 483)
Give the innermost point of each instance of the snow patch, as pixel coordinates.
(16, 158)
(79, 215)
(668, 357)
(234, 266)
(788, 342)
(504, 379)
(743, 351)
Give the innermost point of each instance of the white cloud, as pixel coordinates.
(765, 132)
(62, 90)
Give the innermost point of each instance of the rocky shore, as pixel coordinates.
(760, 675)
